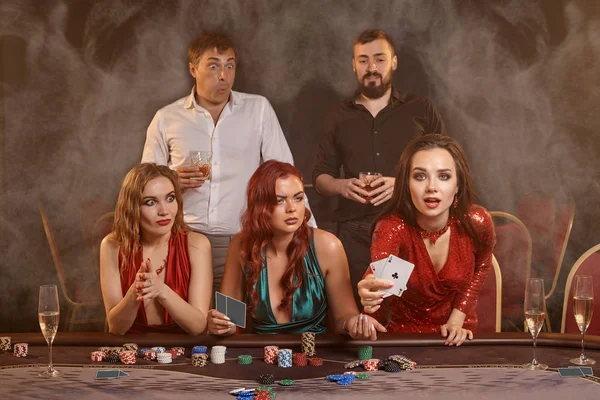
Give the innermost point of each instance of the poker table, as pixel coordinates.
(489, 365)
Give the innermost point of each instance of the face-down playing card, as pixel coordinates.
(234, 309)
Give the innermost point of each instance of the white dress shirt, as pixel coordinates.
(246, 130)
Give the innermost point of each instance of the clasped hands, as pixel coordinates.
(353, 189)
(370, 290)
(148, 284)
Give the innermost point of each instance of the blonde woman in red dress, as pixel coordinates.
(156, 274)
(431, 221)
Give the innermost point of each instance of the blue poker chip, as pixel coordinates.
(199, 349)
(245, 393)
(345, 382)
(335, 377)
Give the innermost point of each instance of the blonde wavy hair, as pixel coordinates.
(126, 225)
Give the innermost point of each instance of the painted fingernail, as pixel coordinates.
(227, 318)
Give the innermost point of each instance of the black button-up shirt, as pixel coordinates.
(356, 141)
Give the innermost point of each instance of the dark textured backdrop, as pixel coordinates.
(517, 82)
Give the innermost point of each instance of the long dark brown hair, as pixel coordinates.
(257, 231)
(126, 225)
(401, 202)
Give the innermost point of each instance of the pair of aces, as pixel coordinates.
(393, 269)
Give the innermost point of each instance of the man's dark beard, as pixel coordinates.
(373, 91)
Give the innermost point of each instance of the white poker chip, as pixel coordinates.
(236, 391)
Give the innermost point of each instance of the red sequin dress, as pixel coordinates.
(430, 296)
(177, 277)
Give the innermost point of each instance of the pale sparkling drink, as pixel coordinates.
(49, 324)
(48, 317)
(535, 321)
(534, 308)
(583, 309)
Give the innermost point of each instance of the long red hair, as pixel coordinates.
(257, 231)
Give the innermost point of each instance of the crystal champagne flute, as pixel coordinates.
(535, 313)
(583, 309)
(49, 315)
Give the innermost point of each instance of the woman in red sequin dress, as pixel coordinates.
(156, 275)
(431, 221)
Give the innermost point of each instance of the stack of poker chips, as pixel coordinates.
(389, 366)
(5, 343)
(131, 347)
(112, 357)
(173, 352)
(284, 358)
(20, 349)
(245, 359)
(315, 362)
(365, 352)
(308, 343)
(264, 393)
(164, 358)
(199, 359)
(97, 355)
(299, 359)
(159, 350)
(116, 350)
(127, 357)
(271, 354)
(266, 379)
(105, 350)
(180, 350)
(371, 364)
(217, 354)
(149, 354)
(198, 350)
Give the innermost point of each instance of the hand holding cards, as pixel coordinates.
(393, 269)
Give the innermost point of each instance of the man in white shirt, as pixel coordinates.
(238, 128)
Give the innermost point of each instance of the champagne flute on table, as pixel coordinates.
(49, 315)
(583, 309)
(535, 313)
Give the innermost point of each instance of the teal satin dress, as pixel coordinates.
(309, 302)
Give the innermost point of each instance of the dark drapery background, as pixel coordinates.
(518, 83)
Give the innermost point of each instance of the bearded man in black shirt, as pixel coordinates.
(368, 134)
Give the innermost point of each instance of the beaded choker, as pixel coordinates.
(433, 236)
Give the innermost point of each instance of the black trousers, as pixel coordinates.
(356, 238)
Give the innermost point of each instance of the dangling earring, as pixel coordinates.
(455, 204)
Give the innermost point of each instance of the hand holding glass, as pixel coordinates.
(583, 309)
(202, 159)
(49, 316)
(535, 313)
(367, 178)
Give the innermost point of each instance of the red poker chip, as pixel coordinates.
(315, 361)
(174, 353)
